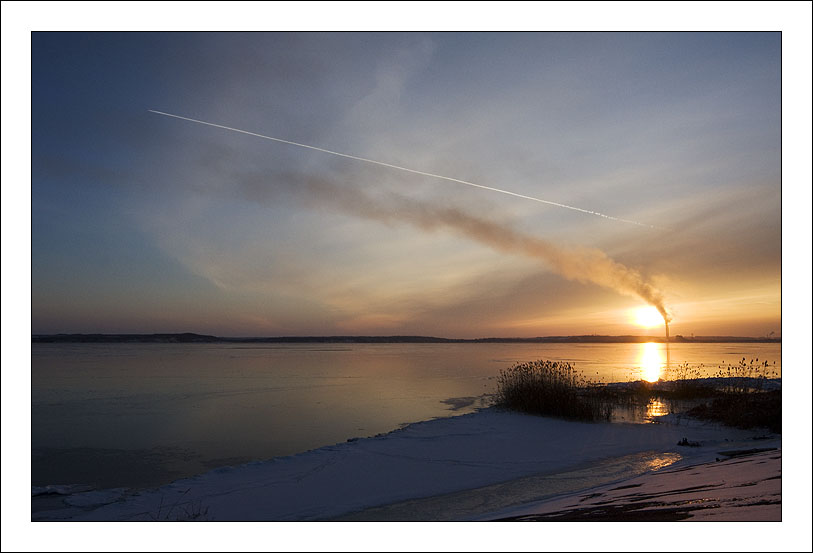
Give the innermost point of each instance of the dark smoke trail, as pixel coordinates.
(578, 264)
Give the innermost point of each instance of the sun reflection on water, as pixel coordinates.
(652, 361)
(656, 408)
(664, 460)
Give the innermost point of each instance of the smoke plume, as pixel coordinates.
(587, 265)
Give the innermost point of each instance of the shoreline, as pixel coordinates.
(745, 485)
(422, 461)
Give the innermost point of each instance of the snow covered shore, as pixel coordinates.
(424, 460)
(740, 485)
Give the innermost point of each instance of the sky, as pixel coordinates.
(146, 223)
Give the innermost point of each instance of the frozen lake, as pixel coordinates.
(142, 415)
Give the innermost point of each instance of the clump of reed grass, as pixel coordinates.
(189, 511)
(743, 410)
(736, 396)
(550, 388)
(746, 378)
(685, 382)
(743, 401)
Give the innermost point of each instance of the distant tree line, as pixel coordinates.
(191, 338)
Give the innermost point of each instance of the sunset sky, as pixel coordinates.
(145, 223)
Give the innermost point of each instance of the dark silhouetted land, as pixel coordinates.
(191, 338)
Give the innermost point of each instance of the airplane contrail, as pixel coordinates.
(415, 171)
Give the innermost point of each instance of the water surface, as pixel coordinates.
(140, 415)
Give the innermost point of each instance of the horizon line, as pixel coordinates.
(192, 335)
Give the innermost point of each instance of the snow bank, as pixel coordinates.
(732, 488)
(715, 382)
(59, 489)
(421, 460)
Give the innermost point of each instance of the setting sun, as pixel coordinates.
(647, 317)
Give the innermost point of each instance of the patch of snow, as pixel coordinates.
(743, 487)
(58, 489)
(421, 460)
(717, 382)
(95, 498)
